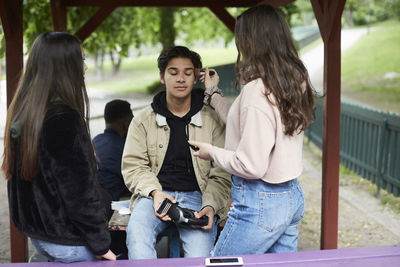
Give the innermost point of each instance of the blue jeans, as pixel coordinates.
(63, 253)
(144, 227)
(263, 218)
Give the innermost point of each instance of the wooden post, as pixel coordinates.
(328, 14)
(58, 15)
(11, 17)
(331, 142)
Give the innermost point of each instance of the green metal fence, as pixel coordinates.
(369, 143)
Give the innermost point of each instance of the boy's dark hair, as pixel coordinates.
(180, 52)
(117, 109)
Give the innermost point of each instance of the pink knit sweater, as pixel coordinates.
(255, 145)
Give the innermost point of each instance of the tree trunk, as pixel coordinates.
(167, 29)
(98, 65)
(101, 64)
(116, 62)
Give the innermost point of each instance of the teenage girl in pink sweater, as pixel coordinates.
(264, 136)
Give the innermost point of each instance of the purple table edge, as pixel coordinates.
(355, 257)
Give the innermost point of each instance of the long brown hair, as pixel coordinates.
(266, 50)
(54, 71)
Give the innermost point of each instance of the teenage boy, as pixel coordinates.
(158, 163)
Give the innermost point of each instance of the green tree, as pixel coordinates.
(36, 19)
(137, 26)
(362, 12)
(123, 28)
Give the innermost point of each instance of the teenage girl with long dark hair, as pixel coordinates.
(53, 189)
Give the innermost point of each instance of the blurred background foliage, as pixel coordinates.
(149, 29)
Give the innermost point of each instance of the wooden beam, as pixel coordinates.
(161, 3)
(5, 20)
(329, 15)
(59, 15)
(334, 16)
(91, 25)
(224, 16)
(276, 3)
(319, 15)
(229, 21)
(11, 18)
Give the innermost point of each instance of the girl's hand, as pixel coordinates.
(204, 150)
(210, 81)
(108, 256)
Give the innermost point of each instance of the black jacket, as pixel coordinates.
(62, 204)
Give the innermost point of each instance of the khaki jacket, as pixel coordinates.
(145, 148)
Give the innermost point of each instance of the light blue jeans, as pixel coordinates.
(63, 253)
(263, 218)
(144, 227)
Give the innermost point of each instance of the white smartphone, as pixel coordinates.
(224, 261)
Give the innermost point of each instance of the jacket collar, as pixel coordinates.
(195, 120)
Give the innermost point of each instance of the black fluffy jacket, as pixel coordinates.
(62, 204)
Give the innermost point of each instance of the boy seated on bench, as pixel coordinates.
(157, 161)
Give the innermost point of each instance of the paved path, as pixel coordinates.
(314, 58)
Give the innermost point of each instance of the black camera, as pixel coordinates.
(182, 216)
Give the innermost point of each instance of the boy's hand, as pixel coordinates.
(158, 197)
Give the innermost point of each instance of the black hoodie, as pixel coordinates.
(177, 172)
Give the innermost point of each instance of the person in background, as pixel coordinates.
(264, 136)
(157, 162)
(53, 190)
(110, 145)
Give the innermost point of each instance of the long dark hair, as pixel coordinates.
(266, 50)
(54, 72)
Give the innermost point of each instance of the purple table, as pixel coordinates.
(354, 257)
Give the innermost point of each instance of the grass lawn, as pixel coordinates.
(365, 64)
